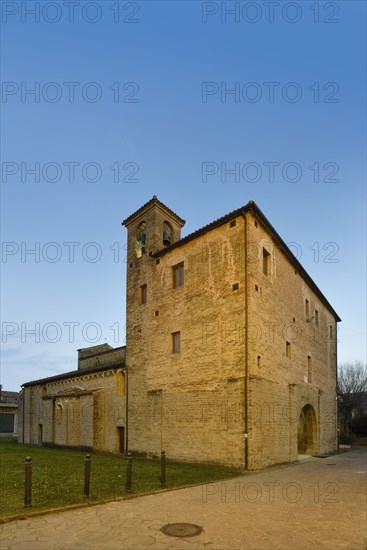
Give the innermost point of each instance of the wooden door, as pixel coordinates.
(121, 439)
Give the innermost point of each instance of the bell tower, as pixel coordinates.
(150, 229)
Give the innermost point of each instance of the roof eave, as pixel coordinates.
(72, 374)
(153, 201)
(252, 207)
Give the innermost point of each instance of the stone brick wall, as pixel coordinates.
(179, 401)
(105, 359)
(55, 417)
(86, 421)
(276, 315)
(192, 403)
(93, 350)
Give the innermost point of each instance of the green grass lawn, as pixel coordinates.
(58, 476)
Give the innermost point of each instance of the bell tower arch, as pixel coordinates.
(150, 229)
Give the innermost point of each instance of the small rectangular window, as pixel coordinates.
(307, 308)
(143, 294)
(232, 223)
(178, 275)
(259, 360)
(266, 262)
(316, 317)
(288, 350)
(331, 332)
(236, 286)
(309, 369)
(176, 342)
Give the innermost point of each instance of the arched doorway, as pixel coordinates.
(307, 432)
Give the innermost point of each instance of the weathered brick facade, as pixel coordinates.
(231, 394)
(84, 408)
(230, 352)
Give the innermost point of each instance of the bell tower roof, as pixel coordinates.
(154, 202)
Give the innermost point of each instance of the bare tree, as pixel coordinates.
(352, 388)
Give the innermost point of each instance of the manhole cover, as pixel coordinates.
(181, 529)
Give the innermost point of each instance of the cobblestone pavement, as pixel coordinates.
(319, 504)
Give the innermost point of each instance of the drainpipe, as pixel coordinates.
(53, 421)
(126, 408)
(161, 414)
(336, 389)
(246, 384)
(23, 407)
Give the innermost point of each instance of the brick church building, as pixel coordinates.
(231, 351)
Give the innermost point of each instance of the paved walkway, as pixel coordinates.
(319, 504)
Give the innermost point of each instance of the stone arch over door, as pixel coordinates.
(307, 431)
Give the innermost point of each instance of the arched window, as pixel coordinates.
(167, 234)
(44, 391)
(120, 383)
(140, 240)
(59, 413)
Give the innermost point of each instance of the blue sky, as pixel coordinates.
(150, 97)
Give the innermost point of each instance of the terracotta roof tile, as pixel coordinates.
(153, 200)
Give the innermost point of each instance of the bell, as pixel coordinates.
(166, 238)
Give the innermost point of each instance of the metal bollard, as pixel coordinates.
(163, 469)
(87, 476)
(128, 472)
(28, 482)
